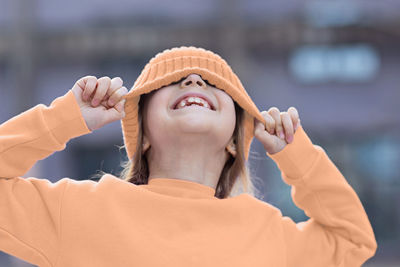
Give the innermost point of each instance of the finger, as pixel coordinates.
(117, 96)
(259, 130)
(288, 126)
(116, 83)
(298, 124)
(269, 122)
(294, 115)
(120, 106)
(102, 86)
(88, 84)
(115, 113)
(261, 134)
(275, 114)
(258, 126)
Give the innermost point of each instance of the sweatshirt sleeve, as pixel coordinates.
(30, 207)
(338, 232)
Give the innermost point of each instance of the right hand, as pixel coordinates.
(100, 100)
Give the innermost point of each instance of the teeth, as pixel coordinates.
(192, 100)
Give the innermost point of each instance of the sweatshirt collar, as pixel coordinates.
(180, 188)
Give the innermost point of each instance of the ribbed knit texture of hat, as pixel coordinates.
(172, 65)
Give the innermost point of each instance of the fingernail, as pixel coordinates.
(95, 102)
(290, 138)
(281, 135)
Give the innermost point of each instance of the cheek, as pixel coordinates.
(232, 115)
(227, 104)
(228, 114)
(153, 104)
(156, 114)
(153, 118)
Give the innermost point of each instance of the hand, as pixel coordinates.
(100, 100)
(277, 123)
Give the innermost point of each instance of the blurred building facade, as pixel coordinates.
(337, 62)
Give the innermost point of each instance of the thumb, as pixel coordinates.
(115, 113)
(120, 106)
(261, 133)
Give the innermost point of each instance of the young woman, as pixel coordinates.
(185, 197)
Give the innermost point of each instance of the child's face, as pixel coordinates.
(162, 123)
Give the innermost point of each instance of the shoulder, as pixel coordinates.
(255, 204)
(259, 213)
(106, 180)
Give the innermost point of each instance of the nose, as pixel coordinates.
(192, 80)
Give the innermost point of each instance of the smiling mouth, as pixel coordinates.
(193, 99)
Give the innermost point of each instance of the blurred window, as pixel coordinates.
(343, 63)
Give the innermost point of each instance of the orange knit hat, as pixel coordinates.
(172, 65)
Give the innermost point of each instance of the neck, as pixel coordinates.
(195, 163)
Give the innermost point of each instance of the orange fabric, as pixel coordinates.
(169, 222)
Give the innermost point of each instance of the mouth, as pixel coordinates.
(193, 100)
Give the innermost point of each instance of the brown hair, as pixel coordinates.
(228, 185)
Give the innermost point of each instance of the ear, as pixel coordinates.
(231, 147)
(145, 144)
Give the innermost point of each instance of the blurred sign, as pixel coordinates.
(343, 63)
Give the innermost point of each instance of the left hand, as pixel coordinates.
(277, 123)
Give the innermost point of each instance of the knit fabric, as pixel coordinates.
(172, 65)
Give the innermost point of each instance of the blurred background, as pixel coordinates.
(337, 62)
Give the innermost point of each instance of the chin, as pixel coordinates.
(195, 126)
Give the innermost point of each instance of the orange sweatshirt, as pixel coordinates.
(169, 222)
